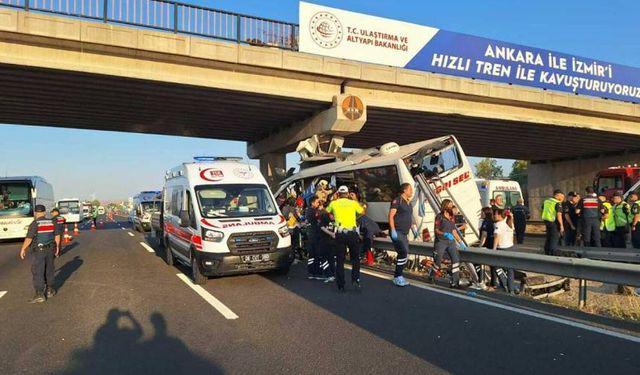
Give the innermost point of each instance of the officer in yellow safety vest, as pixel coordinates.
(607, 222)
(634, 219)
(552, 217)
(621, 212)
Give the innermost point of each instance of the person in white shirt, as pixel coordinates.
(503, 240)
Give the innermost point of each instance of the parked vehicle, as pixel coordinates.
(70, 210)
(615, 179)
(145, 204)
(505, 192)
(220, 218)
(18, 198)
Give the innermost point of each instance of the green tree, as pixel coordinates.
(488, 168)
(519, 172)
(95, 203)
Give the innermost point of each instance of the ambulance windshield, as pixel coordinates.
(235, 200)
(15, 199)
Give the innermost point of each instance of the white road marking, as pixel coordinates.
(534, 314)
(213, 301)
(149, 248)
(2, 293)
(131, 234)
(123, 228)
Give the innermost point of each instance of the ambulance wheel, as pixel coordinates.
(196, 273)
(168, 255)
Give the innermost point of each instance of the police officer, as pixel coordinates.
(591, 210)
(635, 218)
(59, 222)
(345, 210)
(608, 223)
(621, 212)
(552, 217)
(400, 219)
(570, 216)
(44, 243)
(311, 216)
(520, 216)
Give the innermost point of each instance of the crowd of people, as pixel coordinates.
(336, 221)
(592, 220)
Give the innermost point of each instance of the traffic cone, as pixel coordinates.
(369, 258)
(93, 226)
(76, 231)
(66, 235)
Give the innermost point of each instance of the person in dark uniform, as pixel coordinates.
(311, 216)
(590, 209)
(44, 243)
(327, 244)
(634, 219)
(368, 230)
(400, 220)
(520, 216)
(570, 216)
(552, 217)
(59, 222)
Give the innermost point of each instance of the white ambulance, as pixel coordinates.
(377, 174)
(220, 218)
(18, 198)
(70, 209)
(145, 204)
(505, 192)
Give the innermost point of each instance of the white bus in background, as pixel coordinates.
(145, 204)
(505, 192)
(86, 211)
(377, 174)
(18, 198)
(71, 210)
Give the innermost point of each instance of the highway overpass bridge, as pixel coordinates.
(87, 74)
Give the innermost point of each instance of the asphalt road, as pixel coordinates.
(121, 310)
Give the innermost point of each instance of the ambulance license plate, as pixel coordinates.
(254, 258)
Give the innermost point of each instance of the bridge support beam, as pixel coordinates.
(269, 166)
(568, 175)
(347, 115)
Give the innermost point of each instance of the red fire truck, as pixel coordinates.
(615, 179)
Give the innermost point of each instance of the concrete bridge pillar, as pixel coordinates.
(269, 164)
(568, 175)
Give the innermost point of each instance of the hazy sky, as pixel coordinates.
(116, 165)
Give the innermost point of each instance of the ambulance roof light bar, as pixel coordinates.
(216, 158)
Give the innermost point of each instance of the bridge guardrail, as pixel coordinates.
(173, 16)
(577, 268)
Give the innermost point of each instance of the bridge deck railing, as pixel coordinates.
(175, 17)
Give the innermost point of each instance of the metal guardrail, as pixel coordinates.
(577, 268)
(175, 17)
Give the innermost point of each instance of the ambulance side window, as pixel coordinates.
(192, 214)
(176, 205)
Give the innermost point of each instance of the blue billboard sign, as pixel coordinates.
(475, 57)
